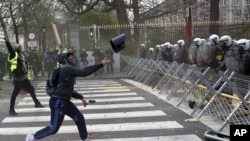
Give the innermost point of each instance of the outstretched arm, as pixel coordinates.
(10, 49)
(89, 69)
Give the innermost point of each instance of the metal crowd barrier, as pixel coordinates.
(223, 96)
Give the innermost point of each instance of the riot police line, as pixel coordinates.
(210, 87)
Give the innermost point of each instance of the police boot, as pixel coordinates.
(39, 105)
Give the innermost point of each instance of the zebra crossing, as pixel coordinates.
(120, 113)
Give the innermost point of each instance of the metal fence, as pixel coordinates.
(157, 33)
(223, 96)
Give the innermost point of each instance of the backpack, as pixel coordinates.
(52, 82)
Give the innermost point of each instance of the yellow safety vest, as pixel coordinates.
(30, 75)
(13, 62)
(57, 64)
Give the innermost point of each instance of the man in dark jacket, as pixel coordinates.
(109, 54)
(83, 57)
(60, 103)
(19, 69)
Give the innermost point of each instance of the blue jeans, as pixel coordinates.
(59, 108)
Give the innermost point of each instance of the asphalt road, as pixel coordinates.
(124, 110)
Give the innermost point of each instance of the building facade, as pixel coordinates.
(177, 11)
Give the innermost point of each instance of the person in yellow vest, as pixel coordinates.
(31, 76)
(18, 67)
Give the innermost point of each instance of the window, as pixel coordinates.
(247, 2)
(236, 2)
(224, 16)
(236, 15)
(175, 18)
(224, 2)
(247, 16)
(207, 16)
(207, 3)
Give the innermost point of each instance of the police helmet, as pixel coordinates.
(181, 43)
(158, 46)
(151, 49)
(162, 47)
(226, 39)
(197, 41)
(167, 45)
(214, 37)
(244, 43)
(175, 46)
(143, 45)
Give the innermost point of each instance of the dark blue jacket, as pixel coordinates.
(67, 76)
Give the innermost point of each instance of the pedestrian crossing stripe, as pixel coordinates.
(190, 137)
(97, 88)
(105, 91)
(98, 127)
(77, 101)
(84, 90)
(96, 84)
(90, 107)
(89, 83)
(92, 95)
(102, 90)
(88, 116)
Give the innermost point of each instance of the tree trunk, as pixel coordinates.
(214, 17)
(120, 8)
(3, 26)
(136, 29)
(122, 17)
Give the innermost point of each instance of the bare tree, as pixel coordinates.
(214, 16)
(3, 17)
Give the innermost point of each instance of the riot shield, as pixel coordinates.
(192, 51)
(208, 51)
(200, 53)
(175, 53)
(233, 62)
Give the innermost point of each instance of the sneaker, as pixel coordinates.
(39, 105)
(30, 137)
(86, 139)
(12, 112)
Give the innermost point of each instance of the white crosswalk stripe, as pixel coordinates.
(114, 102)
(161, 138)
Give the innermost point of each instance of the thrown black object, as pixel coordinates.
(118, 43)
(191, 104)
(215, 136)
(92, 101)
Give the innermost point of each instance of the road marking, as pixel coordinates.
(88, 83)
(96, 90)
(77, 101)
(89, 107)
(89, 95)
(190, 137)
(98, 127)
(88, 116)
